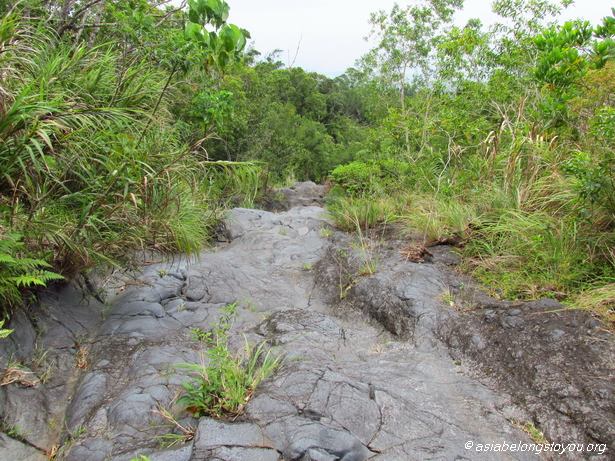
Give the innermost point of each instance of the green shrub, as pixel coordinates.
(357, 178)
(372, 178)
(594, 171)
(17, 272)
(93, 167)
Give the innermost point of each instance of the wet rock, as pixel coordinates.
(318, 454)
(241, 220)
(511, 321)
(141, 327)
(395, 314)
(20, 344)
(445, 255)
(131, 409)
(544, 304)
(316, 437)
(290, 325)
(490, 316)
(557, 334)
(549, 362)
(478, 342)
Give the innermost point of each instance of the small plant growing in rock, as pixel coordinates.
(369, 267)
(201, 335)
(183, 432)
(326, 233)
(226, 381)
(536, 434)
(448, 298)
(4, 332)
(42, 364)
(308, 267)
(220, 330)
(12, 430)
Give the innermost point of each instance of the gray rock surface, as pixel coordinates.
(364, 375)
(301, 194)
(18, 451)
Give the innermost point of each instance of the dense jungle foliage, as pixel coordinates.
(130, 124)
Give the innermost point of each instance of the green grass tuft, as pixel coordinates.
(225, 381)
(365, 213)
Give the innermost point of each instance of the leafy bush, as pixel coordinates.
(93, 166)
(357, 178)
(17, 273)
(371, 178)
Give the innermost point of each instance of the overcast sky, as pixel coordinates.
(332, 31)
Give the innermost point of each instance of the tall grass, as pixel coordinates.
(440, 219)
(521, 224)
(350, 213)
(530, 254)
(600, 300)
(237, 183)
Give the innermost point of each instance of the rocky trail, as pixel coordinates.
(374, 366)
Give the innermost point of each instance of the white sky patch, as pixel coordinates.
(331, 32)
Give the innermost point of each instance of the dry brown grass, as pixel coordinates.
(416, 253)
(16, 374)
